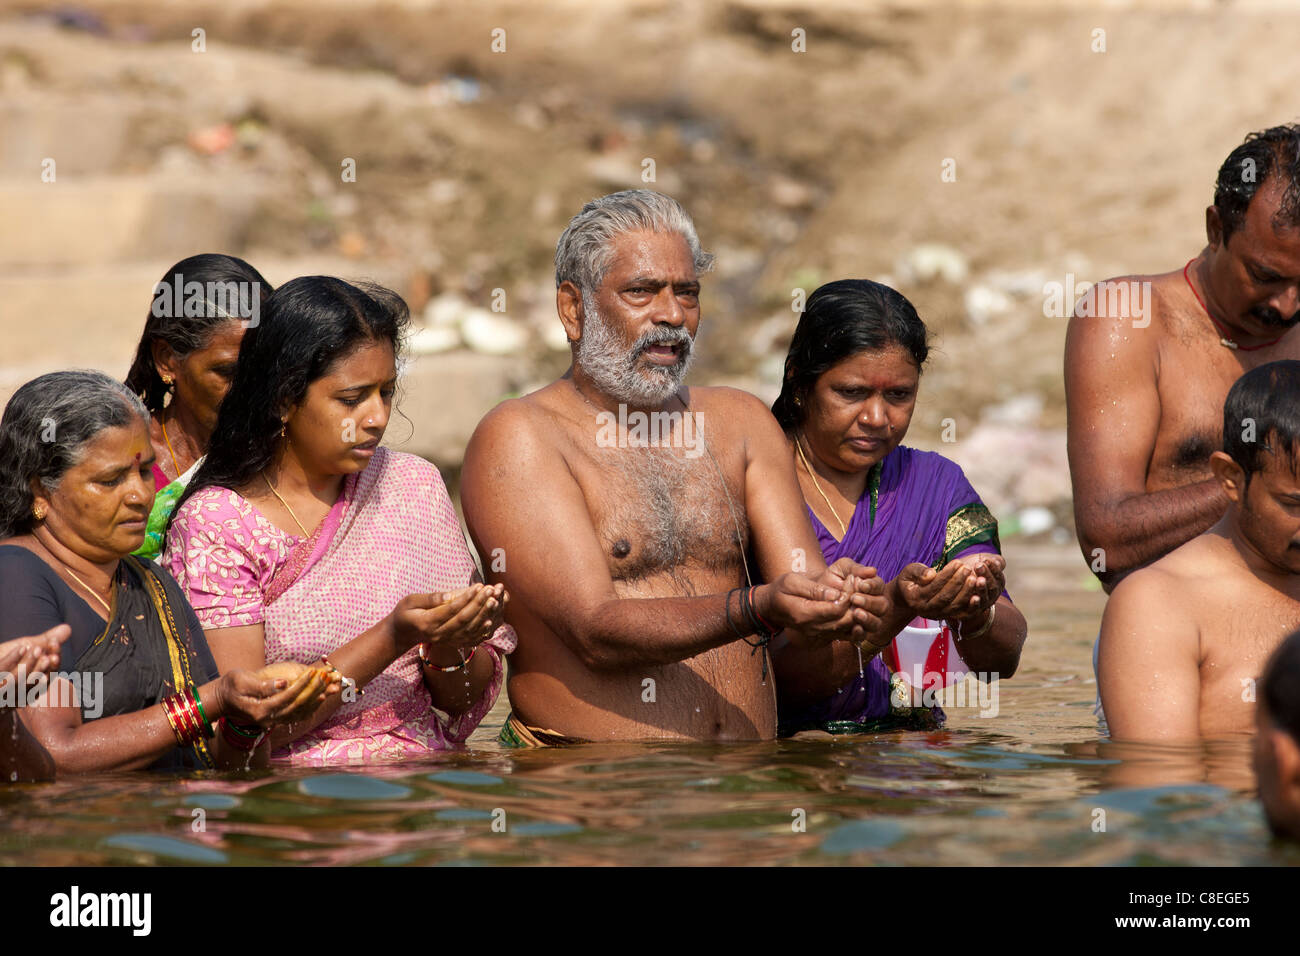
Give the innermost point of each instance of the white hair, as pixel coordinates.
(582, 255)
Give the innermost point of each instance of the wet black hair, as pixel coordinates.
(308, 325)
(187, 334)
(1262, 414)
(1279, 688)
(840, 320)
(1263, 154)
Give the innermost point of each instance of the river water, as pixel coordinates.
(1034, 784)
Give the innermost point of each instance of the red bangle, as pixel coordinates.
(194, 714)
(463, 665)
(184, 725)
(192, 727)
(754, 608)
(238, 738)
(171, 720)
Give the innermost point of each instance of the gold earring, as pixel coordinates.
(38, 512)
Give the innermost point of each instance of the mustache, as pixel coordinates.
(665, 335)
(1271, 316)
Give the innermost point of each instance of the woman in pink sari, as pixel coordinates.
(301, 539)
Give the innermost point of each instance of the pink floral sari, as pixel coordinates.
(393, 532)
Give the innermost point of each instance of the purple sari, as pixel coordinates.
(917, 506)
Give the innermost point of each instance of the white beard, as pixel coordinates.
(614, 369)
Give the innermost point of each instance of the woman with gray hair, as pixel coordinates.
(141, 688)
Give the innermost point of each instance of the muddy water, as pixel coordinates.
(1035, 784)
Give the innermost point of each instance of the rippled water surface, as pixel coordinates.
(1034, 784)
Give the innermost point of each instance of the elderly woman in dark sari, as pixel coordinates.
(851, 380)
(139, 688)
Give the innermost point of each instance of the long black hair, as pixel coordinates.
(840, 320)
(239, 285)
(308, 325)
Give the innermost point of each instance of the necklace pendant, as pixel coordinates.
(1227, 343)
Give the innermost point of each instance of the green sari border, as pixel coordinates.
(969, 525)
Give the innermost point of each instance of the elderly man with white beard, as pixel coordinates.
(652, 536)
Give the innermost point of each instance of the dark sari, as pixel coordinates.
(152, 646)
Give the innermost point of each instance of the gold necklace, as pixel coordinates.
(170, 451)
(305, 532)
(93, 592)
(817, 485)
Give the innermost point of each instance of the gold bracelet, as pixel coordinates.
(984, 628)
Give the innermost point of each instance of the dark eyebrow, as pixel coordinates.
(367, 385)
(146, 461)
(1264, 270)
(657, 284)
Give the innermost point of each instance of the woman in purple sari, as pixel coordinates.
(851, 380)
(300, 539)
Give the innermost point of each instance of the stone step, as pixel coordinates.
(99, 220)
(85, 135)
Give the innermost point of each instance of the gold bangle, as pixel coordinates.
(984, 628)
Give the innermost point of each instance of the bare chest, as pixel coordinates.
(1193, 383)
(1194, 375)
(1237, 641)
(661, 511)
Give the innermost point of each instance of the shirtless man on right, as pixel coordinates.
(1184, 640)
(1146, 374)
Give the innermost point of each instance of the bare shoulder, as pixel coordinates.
(1162, 596)
(731, 409)
(514, 426)
(1206, 557)
(1114, 338)
(1111, 311)
(723, 396)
